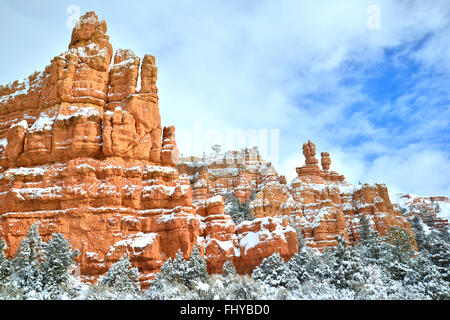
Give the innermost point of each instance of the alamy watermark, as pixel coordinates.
(196, 141)
(74, 12)
(374, 20)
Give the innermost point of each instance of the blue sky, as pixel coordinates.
(376, 99)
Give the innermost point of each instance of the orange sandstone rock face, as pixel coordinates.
(218, 175)
(326, 161)
(263, 237)
(106, 207)
(246, 244)
(169, 152)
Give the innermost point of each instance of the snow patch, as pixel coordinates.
(3, 143)
(250, 240)
(43, 123)
(138, 240)
(78, 112)
(23, 124)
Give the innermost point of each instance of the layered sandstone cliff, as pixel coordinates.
(318, 201)
(218, 175)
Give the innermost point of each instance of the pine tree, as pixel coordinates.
(275, 272)
(437, 208)
(58, 257)
(346, 267)
(229, 270)
(439, 254)
(244, 288)
(185, 272)
(425, 276)
(419, 233)
(174, 271)
(364, 229)
(307, 266)
(372, 249)
(5, 268)
(196, 268)
(238, 211)
(38, 269)
(398, 253)
(122, 277)
(179, 278)
(26, 265)
(445, 234)
(402, 243)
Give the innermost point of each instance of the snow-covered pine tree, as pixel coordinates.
(419, 232)
(122, 277)
(196, 268)
(179, 277)
(26, 265)
(402, 243)
(439, 254)
(308, 266)
(364, 228)
(238, 211)
(174, 271)
(426, 278)
(184, 272)
(437, 207)
(346, 265)
(245, 288)
(228, 269)
(5, 268)
(275, 272)
(398, 253)
(57, 258)
(372, 249)
(445, 234)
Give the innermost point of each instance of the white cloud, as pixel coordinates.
(415, 169)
